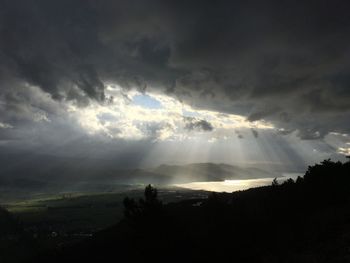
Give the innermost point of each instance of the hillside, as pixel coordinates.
(15, 244)
(54, 174)
(303, 221)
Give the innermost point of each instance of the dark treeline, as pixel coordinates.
(306, 220)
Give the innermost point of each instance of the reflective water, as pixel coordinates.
(236, 185)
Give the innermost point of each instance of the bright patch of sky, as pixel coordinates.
(146, 101)
(187, 113)
(133, 115)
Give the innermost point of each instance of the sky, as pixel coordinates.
(151, 82)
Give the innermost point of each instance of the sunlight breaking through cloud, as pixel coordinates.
(157, 128)
(135, 115)
(345, 150)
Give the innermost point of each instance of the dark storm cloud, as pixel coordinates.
(51, 45)
(192, 123)
(284, 61)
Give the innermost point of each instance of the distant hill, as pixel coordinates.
(203, 172)
(40, 172)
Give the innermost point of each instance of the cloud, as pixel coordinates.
(197, 124)
(286, 63)
(5, 126)
(345, 150)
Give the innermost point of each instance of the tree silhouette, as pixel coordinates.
(150, 205)
(275, 182)
(151, 194)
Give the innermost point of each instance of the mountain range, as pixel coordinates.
(40, 172)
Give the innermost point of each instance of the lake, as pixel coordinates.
(236, 185)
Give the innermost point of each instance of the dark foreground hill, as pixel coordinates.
(303, 221)
(15, 244)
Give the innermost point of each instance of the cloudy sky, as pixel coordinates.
(152, 82)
